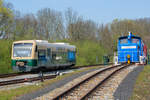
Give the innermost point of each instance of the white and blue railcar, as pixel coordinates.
(131, 49)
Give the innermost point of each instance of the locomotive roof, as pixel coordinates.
(123, 37)
(46, 43)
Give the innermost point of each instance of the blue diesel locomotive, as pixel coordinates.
(131, 49)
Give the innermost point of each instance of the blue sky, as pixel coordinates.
(101, 11)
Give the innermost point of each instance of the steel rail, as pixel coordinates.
(58, 96)
(26, 80)
(83, 97)
(25, 73)
(14, 74)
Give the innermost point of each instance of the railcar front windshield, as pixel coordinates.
(22, 50)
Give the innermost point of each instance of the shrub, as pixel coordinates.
(5, 56)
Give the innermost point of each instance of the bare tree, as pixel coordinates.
(50, 24)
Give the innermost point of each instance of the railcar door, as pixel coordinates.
(71, 56)
(42, 57)
(49, 56)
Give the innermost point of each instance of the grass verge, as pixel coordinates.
(13, 93)
(142, 87)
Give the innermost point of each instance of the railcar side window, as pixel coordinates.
(48, 52)
(123, 41)
(54, 56)
(41, 54)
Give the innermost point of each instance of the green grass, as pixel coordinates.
(5, 56)
(142, 87)
(13, 93)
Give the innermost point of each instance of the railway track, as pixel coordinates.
(86, 87)
(91, 65)
(13, 74)
(22, 80)
(25, 73)
(26, 80)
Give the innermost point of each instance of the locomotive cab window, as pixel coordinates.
(135, 40)
(122, 41)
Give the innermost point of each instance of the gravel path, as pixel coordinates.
(124, 91)
(52, 86)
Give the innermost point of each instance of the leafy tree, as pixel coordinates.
(6, 19)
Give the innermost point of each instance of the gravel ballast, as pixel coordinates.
(80, 90)
(118, 88)
(103, 93)
(124, 90)
(53, 86)
(106, 91)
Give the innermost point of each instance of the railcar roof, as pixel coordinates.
(56, 45)
(26, 41)
(45, 43)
